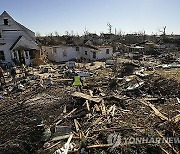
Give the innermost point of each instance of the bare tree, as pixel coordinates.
(86, 31)
(56, 33)
(110, 28)
(164, 31)
(67, 33)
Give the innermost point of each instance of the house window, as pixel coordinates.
(64, 53)
(2, 57)
(6, 22)
(77, 48)
(94, 54)
(107, 51)
(85, 52)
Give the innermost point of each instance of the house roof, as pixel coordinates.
(24, 43)
(25, 29)
(91, 46)
(15, 43)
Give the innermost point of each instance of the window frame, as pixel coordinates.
(77, 48)
(6, 21)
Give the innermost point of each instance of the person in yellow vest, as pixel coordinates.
(77, 82)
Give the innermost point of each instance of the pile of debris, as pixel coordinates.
(47, 115)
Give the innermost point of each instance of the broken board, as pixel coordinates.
(88, 97)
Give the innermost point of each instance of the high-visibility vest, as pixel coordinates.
(77, 81)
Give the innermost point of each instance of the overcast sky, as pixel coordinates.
(46, 16)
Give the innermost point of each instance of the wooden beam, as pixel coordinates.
(88, 97)
(156, 111)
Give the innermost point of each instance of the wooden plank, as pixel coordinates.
(96, 107)
(57, 138)
(164, 150)
(90, 92)
(176, 118)
(156, 111)
(103, 108)
(88, 97)
(100, 146)
(76, 125)
(87, 105)
(59, 121)
(67, 144)
(113, 111)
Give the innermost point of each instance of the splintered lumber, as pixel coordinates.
(97, 107)
(90, 92)
(88, 97)
(174, 150)
(97, 121)
(87, 105)
(58, 122)
(176, 118)
(76, 125)
(156, 111)
(57, 138)
(67, 144)
(164, 150)
(64, 110)
(111, 109)
(114, 107)
(100, 146)
(103, 108)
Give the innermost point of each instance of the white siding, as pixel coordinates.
(10, 33)
(56, 53)
(101, 53)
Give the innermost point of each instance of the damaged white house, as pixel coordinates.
(17, 43)
(64, 53)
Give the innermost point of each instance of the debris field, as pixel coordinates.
(127, 100)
